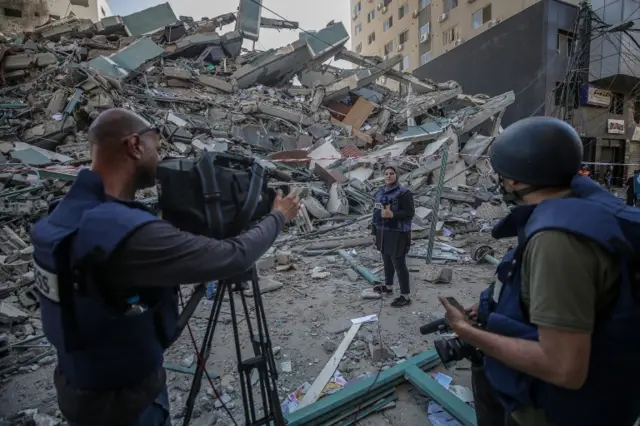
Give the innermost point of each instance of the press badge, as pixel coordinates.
(47, 283)
(377, 206)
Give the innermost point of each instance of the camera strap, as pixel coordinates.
(211, 193)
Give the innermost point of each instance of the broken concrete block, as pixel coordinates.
(368, 294)
(441, 276)
(216, 83)
(45, 59)
(175, 72)
(314, 208)
(10, 314)
(57, 103)
(267, 285)
(353, 275)
(18, 62)
(378, 352)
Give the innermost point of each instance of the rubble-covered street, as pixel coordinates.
(331, 129)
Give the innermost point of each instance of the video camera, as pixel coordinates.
(451, 348)
(218, 195)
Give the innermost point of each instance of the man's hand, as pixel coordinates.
(473, 312)
(387, 213)
(454, 316)
(289, 206)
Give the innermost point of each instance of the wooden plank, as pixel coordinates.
(325, 375)
(326, 408)
(358, 113)
(434, 390)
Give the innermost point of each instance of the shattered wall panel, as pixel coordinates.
(150, 19)
(249, 15)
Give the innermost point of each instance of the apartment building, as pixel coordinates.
(424, 29)
(34, 12)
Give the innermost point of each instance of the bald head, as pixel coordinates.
(114, 125)
(124, 151)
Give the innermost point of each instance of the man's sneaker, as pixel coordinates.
(400, 301)
(382, 289)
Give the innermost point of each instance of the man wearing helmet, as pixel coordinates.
(561, 319)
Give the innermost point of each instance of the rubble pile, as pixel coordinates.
(331, 129)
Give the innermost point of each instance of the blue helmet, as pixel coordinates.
(539, 151)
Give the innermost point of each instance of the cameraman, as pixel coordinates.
(108, 270)
(561, 322)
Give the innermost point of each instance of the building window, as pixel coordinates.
(449, 5)
(358, 28)
(405, 63)
(403, 10)
(450, 35)
(371, 16)
(425, 57)
(404, 37)
(386, 3)
(617, 104)
(388, 23)
(357, 8)
(425, 29)
(13, 13)
(481, 17)
(424, 3)
(388, 48)
(565, 43)
(359, 48)
(371, 38)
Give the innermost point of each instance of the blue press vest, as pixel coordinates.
(98, 347)
(390, 198)
(610, 395)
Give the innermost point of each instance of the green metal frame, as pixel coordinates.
(363, 392)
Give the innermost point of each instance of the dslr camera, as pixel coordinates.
(450, 347)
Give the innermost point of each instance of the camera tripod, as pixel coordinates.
(262, 360)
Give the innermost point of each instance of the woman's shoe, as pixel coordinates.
(382, 289)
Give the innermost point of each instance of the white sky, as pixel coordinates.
(311, 14)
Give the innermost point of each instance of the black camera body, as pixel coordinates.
(218, 195)
(451, 348)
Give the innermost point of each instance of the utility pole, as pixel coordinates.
(578, 65)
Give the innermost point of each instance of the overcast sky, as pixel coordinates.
(311, 14)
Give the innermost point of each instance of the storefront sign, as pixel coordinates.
(615, 127)
(590, 95)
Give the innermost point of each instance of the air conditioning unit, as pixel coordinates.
(416, 13)
(380, 6)
(491, 23)
(400, 47)
(354, 16)
(385, 57)
(458, 42)
(384, 9)
(424, 37)
(443, 17)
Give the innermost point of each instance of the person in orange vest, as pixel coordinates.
(584, 171)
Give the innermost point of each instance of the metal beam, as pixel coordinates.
(327, 408)
(434, 390)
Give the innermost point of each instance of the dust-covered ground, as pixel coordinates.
(307, 319)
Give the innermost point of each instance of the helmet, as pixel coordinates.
(539, 151)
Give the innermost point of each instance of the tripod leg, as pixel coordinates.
(205, 350)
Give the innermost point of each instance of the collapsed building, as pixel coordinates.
(332, 129)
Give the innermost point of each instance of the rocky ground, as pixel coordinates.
(307, 318)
